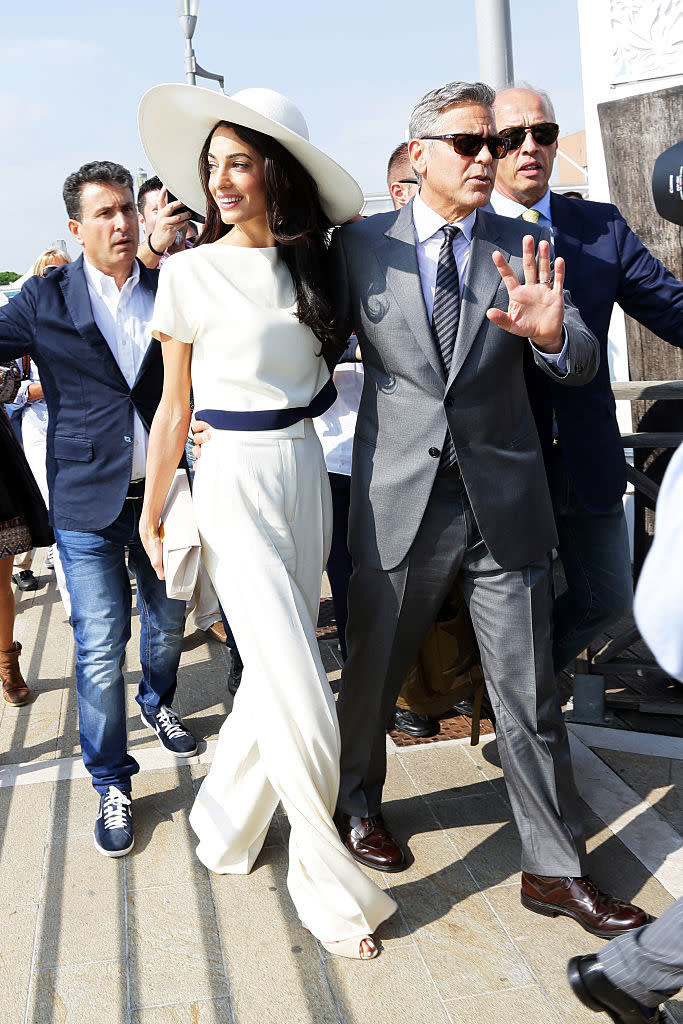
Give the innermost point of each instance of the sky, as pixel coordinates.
(72, 74)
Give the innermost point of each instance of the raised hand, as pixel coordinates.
(535, 308)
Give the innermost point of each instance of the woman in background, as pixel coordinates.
(23, 525)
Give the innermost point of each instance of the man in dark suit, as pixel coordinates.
(86, 327)
(605, 264)
(448, 482)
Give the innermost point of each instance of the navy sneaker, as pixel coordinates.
(172, 734)
(114, 825)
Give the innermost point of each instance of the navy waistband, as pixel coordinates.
(269, 419)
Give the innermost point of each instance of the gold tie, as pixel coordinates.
(532, 216)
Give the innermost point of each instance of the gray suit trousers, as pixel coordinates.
(390, 612)
(647, 964)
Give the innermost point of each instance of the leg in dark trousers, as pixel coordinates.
(339, 565)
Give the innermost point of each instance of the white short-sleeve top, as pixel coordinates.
(237, 307)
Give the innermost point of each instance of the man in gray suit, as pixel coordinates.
(448, 481)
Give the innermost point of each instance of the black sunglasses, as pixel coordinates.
(544, 134)
(408, 181)
(469, 144)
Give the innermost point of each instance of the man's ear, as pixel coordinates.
(396, 191)
(74, 227)
(417, 150)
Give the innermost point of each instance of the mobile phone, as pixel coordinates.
(181, 209)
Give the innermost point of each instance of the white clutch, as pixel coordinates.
(180, 539)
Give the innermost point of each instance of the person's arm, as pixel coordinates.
(539, 310)
(17, 322)
(166, 443)
(168, 222)
(648, 292)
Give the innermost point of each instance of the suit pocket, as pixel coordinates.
(73, 449)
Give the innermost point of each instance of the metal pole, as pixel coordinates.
(494, 35)
(190, 63)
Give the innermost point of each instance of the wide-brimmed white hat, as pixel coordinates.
(175, 120)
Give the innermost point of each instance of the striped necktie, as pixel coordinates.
(532, 216)
(446, 315)
(445, 319)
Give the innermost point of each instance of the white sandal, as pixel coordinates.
(352, 948)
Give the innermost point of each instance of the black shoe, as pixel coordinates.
(25, 580)
(236, 668)
(591, 985)
(172, 734)
(464, 707)
(114, 824)
(413, 724)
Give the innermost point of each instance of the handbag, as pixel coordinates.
(180, 539)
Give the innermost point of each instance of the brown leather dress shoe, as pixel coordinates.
(217, 632)
(369, 841)
(597, 912)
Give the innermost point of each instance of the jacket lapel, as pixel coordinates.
(75, 290)
(482, 281)
(397, 254)
(148, 281)
(567, 245)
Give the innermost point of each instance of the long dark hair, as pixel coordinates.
(297, 222)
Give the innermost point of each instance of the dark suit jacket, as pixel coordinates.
(606, 263)
(407, 404)
(91, 406)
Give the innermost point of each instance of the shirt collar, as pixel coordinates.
(507, 207)
(102, 283)
(428, 222)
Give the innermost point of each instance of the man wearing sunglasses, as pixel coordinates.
(448, 482)
(605, 263)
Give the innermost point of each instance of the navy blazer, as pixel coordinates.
(91, 406)
(605, 263)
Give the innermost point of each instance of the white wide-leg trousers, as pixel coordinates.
(263, 509)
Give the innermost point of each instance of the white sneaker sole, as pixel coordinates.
(113, 853)
(174, 753)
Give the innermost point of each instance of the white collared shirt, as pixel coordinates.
(429, 237)
(428, 225)
(507, 207)
(124, 318)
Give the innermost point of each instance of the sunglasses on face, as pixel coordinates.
(544, 134)
(469, 144)
(408, 181)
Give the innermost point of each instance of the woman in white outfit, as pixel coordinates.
(244, 317)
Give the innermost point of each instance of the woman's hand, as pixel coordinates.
(151, 542)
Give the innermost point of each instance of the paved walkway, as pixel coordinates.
(155, 939)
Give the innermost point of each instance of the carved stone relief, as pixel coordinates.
(647, 39)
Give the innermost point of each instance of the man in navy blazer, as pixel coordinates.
(606, 263)
(86, 327)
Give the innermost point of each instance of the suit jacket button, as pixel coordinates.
(435, 452)
(127, 439)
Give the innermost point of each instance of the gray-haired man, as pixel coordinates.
(448, 481)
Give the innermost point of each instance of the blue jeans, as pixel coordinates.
(595, 553)
(99, 587)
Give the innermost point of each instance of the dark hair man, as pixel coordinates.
(165, 223)
(448, 482)
(401, 178)
(86, 326)
(605, 264)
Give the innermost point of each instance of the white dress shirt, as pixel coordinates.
(428, 225)
(124, 318)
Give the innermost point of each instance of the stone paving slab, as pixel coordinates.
(156, 939)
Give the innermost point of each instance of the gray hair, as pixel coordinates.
(521, 84)
(426, 116)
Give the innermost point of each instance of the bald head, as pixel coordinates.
(401, 178)
(524, 174)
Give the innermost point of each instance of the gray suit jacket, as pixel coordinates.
(407, 404)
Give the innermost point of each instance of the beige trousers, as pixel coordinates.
(263, 508)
